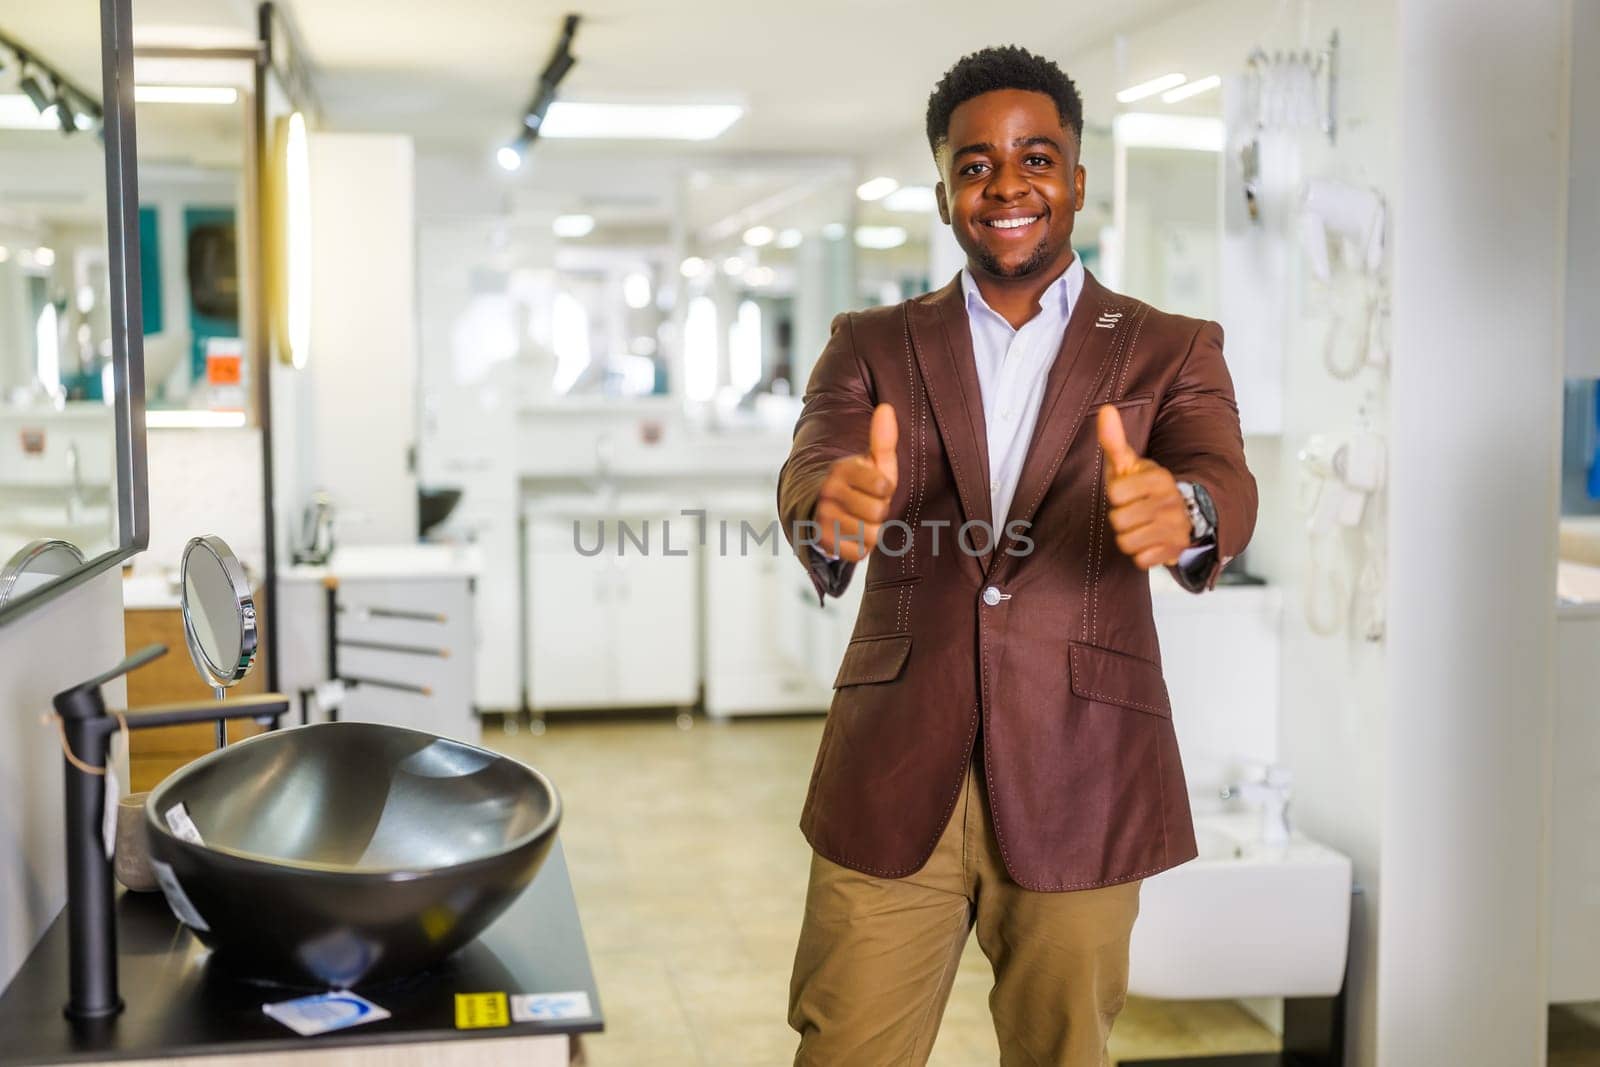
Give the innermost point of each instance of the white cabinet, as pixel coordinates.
(409, 642)
(756, 659)
(406, 632)
(611, 628)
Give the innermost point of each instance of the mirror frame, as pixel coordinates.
(220, 678)
(127, 323)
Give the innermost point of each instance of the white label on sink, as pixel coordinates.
(549, 1007)
(322, 1012)
(182, 826)
(177, 899)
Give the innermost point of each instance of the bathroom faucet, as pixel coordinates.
(1272, 793)
(86, 731)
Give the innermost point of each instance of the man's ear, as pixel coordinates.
(1078, 175)
(944, 202)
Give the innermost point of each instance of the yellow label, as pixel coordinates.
(476, 1011)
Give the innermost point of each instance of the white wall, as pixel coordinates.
(41, 653)
(1475, 420)
(203, 481)
(357, 427)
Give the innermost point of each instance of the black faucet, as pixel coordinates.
(91, 918)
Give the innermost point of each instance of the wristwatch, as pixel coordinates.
(1202, 512)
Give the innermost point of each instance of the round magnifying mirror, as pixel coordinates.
(219, 614)
(35, 564)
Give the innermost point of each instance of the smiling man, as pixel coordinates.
(1010, 454)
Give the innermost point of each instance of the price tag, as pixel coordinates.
(478, 1011)
(550, 1007)
(182, 826)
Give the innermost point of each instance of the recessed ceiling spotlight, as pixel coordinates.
(912, 198)
(636, 290)
(876, 188)
(758, 236)
(880, 237)
(572, 225)
(1194, 88)
(789, 238)
(1150, 88)
(693, 267)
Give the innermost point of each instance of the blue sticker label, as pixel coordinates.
(323, 1012)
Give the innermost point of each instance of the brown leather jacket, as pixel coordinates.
(1060, 662)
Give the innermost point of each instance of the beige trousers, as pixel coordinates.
(877, 956)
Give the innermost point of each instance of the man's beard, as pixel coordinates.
(1036, 259)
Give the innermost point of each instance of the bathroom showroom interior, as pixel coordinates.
(473, 336)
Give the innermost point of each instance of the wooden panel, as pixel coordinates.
(156, 753)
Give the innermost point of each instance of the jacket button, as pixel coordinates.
(991, 596)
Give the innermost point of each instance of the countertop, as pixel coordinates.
(159, 592)
(178, 1005)
(393, 561)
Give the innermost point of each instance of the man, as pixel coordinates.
(1000, 751)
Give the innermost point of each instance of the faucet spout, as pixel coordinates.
(1272, 795)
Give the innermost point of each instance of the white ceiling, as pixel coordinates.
(831, 77)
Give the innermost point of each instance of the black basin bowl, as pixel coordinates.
(346, 853)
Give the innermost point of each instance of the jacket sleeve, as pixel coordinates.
(835, 421)
(1196, 436)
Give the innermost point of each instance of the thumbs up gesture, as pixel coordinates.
(854, 501)
(1147, 511)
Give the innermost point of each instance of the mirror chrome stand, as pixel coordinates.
(87, 730)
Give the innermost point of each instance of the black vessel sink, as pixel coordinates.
(344, 854)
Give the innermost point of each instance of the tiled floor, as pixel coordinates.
(690, 874)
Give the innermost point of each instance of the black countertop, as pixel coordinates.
(179, 1003)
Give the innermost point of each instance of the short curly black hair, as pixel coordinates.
(1002, 67)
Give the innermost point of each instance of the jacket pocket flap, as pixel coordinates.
(1114, 678)
(873, 659)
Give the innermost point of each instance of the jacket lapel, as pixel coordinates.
(940, 337)
(1088, 349)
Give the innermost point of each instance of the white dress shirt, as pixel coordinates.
(1013, 365)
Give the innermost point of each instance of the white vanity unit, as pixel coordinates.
(770, 648)
(712, 609)
(406, 635)
(613, 596)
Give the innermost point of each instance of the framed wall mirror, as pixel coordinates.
(72, 462)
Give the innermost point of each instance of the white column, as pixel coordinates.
(1475, 417)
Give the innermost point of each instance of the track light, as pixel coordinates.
(65, 115)
(29, 84)
(56, 101)
(510, 156)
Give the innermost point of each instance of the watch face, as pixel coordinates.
(1207, 508)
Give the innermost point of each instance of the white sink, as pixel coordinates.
(1243, 920)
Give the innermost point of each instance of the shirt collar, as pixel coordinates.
(1062, 293)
